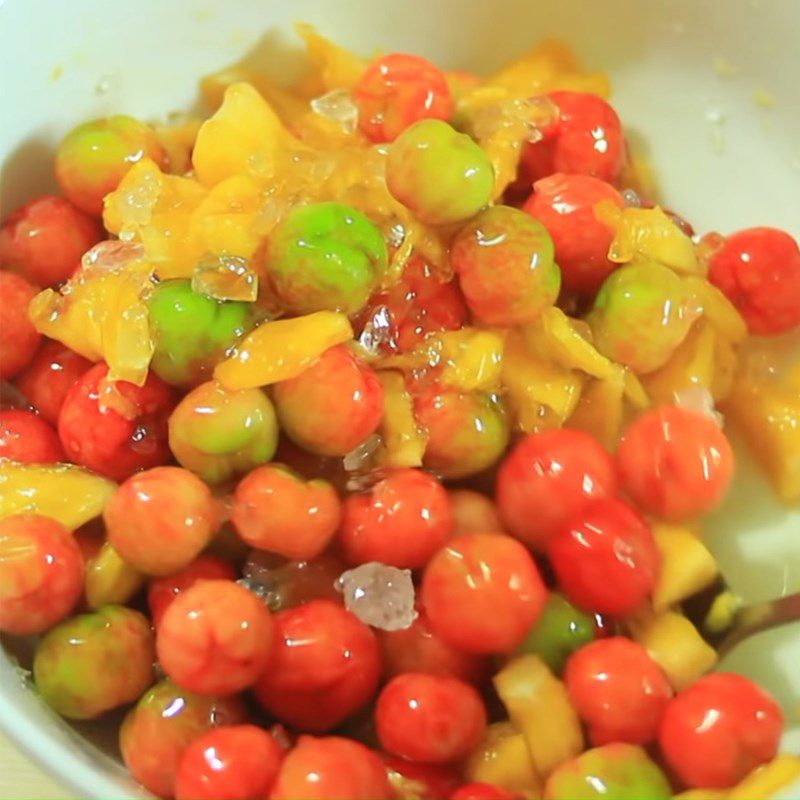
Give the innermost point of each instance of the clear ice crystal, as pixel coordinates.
(111, 255)
(631, 198)
(377, 331)
(225, 277)
(360, 458)
(339, 107)
(699, 399)
(379, 595)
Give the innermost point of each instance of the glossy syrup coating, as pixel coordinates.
(218, 433)
(215, 638)
(397, 90)
(616, 770)
(325, 666)
(421, 302)
(331, 768)
(641, 314)
(440, 175)
(93, 158)
(324, 257)
(41, 574)
(504, 262)
(473, 512)
(237, 762)
(430, 719)
(340, 387)
(586, 139)
(482, 592)
(618, 691)
(161, 519)
(20, 339)
(162, 591)
(401, 521)
(275, 509)
(758, 269)
(92, 663)
(565, 205)
(44, 239)
(546, 478)
(718, 730)
(418, 648)
(159, 728)
(191, 331)
(50, 374)
(427, 780)
(26, 437)
(467, 431)
(95, 435)
(675, 463)
(605, 558)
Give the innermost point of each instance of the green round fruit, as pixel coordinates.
(191, 331)
(440, 175)
(641, 315)
(95, 662)
(325, 257)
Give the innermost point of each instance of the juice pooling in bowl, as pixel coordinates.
(403, 401)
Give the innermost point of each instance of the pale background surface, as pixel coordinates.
(21, 778)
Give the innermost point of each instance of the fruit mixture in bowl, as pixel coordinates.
(356, 440)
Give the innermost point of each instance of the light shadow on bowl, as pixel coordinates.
(26, 173)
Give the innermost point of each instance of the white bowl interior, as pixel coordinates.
(710, 86)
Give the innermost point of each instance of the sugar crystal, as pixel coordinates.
(379, 595)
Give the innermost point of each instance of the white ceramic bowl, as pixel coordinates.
(724, 161)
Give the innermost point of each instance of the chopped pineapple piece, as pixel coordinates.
(687, 566)
(471, 359)
(675, 645)
(768, 780)
(539, 706)
(600, 411)
(503, 759)
(109, 579)
(403, 441)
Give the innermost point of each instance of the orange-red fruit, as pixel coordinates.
(482, 593)
(430, 719)
(675, 463)
(19, 338)
(215, 638)
(44, 239)
(238, 762)
(41, 574)
(26, 437)
(331, 768)
(274, 509)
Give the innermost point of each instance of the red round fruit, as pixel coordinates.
(586, 139)
(48, 377)
(420, 303)
(473, 512)
(482, 791)
(418, 648)
(482, 593)
(618, 691)
(26, 437)
(398, 90)
(20, 339)
(331, 768)
(718, 730)
(215, 638)
(430, 719)
(547, 478)
(565, 205)
(410, 779)
(758, 269)
(675, 463)
(401, 521)
(162, 591)
(161, 519)
(325, 666)
(339, 387)
(41, 574)
(238, 762)
(274, 509)
(98, 437)
(44, 239)
(605, 558)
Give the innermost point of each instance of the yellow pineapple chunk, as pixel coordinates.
(503, 759)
